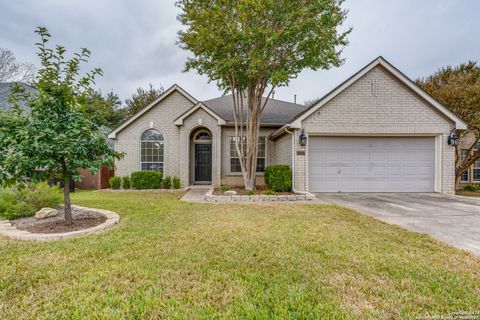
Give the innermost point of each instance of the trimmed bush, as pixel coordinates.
(167, 182)
(115, 182)
(146, 179)
(470, 187)
(176, 183)
(126, 182)
(26, 200)
(224, 188)
(279, 177)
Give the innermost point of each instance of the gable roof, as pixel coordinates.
(179, 120)
(380, 61)
(276, 113)
(166, 93)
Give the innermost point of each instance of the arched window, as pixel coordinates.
(202, 137)
(151, 150)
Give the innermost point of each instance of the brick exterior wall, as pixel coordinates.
(162, 117)
(178, 150)
(283, 150)
(378, 105)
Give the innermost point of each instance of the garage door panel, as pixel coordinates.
(371, 164)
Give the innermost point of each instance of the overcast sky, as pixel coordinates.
(134, 42)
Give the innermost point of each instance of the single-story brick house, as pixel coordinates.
(375, 132)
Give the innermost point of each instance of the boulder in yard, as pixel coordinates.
(46, 213)
(230, 193)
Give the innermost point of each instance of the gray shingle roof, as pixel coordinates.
(5, 90)
(276, 113)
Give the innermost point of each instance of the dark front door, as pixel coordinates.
(203, 162)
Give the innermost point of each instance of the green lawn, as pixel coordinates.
(176, 260)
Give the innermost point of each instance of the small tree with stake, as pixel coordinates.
(55, 135)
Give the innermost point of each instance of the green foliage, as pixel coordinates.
(115, 182)
(24, 200)
(167, 182)
(268, 193)
(105, 110)
(126, 182)
(57, 134)
(141, 98)
(471, 187)
(146, 179)
(279, 177)
(224, 187)
(176, 182)
(458, 89)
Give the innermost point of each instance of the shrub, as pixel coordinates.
(279, 177)
(470, 187)
(167, 182)
(115, 182)
(249, 193)
(176, 183)
(146, 179)
(224, 187)
(25, 200)
(126, 182)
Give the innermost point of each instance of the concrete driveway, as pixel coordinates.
(454, 220)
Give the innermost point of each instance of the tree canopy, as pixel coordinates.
(458, 89)
(56, 135)
(248, 47)
(141, 98)
(13, 71)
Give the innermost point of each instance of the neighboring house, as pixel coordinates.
(472, 175)
(376, 132)
(89, 180)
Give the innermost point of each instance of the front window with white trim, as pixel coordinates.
(235, 160)
(152, 150)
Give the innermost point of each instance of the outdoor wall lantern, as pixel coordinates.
(302, 139)
(453, 139)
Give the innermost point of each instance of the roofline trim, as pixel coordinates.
(460, 124)
(166, 93)
(279, 132)
(199, 105)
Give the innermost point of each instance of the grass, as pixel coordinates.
(176, 260)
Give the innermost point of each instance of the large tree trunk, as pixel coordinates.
(67, 203)
(255, 105)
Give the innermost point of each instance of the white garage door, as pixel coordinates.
(371, 164)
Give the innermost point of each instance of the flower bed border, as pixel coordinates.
(210, 197)
(10, 231)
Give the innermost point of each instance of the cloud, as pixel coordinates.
(134, 42)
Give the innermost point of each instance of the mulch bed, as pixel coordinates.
(241, 191)
(82, 219)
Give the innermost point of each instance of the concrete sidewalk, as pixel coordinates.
(196, 194)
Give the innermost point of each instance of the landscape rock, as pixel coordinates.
(46, 213)
(230, 193)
